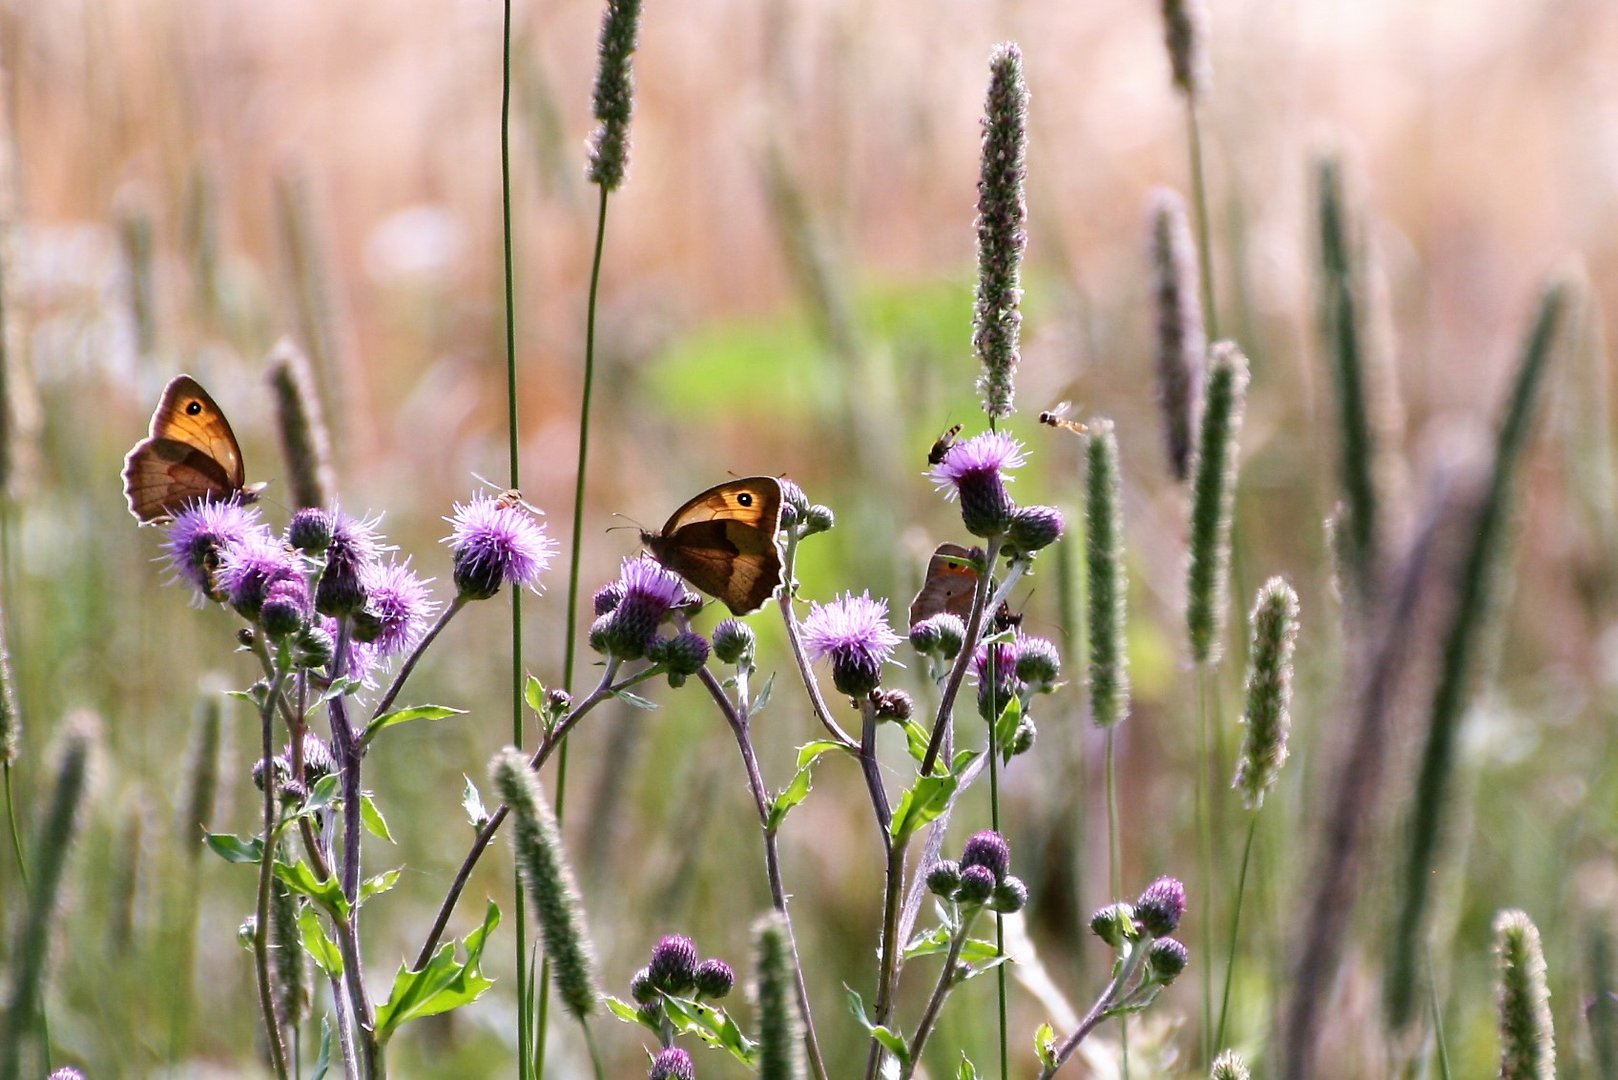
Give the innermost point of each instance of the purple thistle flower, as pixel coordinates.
(495, 541)
(648, 593)
(198, 538)
(399, 605)
(854, 632)
(673, 1063)
(989, 849)
(674, 963)
(1034, 527)
(350, 555)
(310, 530)
(287, 608)
(248, 569)
(974, 470)
(1160, 907)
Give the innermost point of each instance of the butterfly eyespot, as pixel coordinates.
(192, 408)
(745, 498)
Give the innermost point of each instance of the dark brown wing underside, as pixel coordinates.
(161, 476)
(733, 562)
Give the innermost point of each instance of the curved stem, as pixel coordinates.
(817, 703)
(1235, 922)
(739, 726)
(266, 869)
(409, 665)
(1098, 1011)
(974, 626)
(946, 979)
(16, 840)
(490, 827)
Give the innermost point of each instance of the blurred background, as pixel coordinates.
(787, 289)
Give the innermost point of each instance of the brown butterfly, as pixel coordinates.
(941, 445)
(1057, 418)
(189, 455)
(723, 542)
(952, 576)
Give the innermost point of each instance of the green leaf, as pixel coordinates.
(628, 1012)
(921, 804)
(323, 796)
(404, 716)
(472, 802)
(889, 1038)
(963, 758)
(328, 894)
(811, 752)
(533, 692)
(442, 985)
(967, 1070)
(968, 972)
(378, 885)
(375, 823)
(933, 943)
(322, 949)
(762, 698)
(634, 699)
(1045, 1045)
(255, 695)
(978, 951)
(340, 688)
(712, 1025)
(323, 1060)
(916, 739)
(1005, 729)
(233, 848)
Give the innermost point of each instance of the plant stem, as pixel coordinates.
(974, 626)
(266, 869)
(16, 840)
(1115, 861)
(1235, 923)
(1098, 1011)
(1199, 194)
(740, 726)
(1204, 797)
(486, 834)
(935, 1003)
(349, 754)
(409, 665)
(817, 703)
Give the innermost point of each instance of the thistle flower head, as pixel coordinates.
(310, 530)
(975, 471)
(714, 979)
(1038, 663)
(854, 632)
(287, 608)
(674, 964)
(941, 635)
(1165, 959)
(350, 557)
(988, 849)
(248, 569)
(608, 597)
(1002, 237)
(1114, 924)
(733, 642)
(995, 669)
(944, 877)
(199, 537)
(1161, 906)
(496, 541)
(1010, 896)
(977, 885)
(672, 1063)
(1034, 528)
(400, 605)
(648, 594)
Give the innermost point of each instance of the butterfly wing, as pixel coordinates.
(723, 542)
(952, 578)
(189, 454)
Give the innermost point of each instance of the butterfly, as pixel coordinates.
(189, 455)
(952, 577)
(1056, 417)
(723, 542)
(941, 445)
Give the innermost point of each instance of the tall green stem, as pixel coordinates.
(1235, 923)
(1199, 193)
(1205, 837)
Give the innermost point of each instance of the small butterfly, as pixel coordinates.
(952, 577)
(1056, 417)
(189, 455)
(941, 445)
(723, 542)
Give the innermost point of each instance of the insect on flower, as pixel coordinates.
(942, 444)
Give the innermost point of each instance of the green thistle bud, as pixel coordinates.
(1165, 959)
(733, 642)
(1114, 924)
(944, 877)
(819, 519)
(1213, 496)
(1104, 551)
(1527, 1042)
(1269, 691)
(545, 870)
(1010, 896)
(780, 1055)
